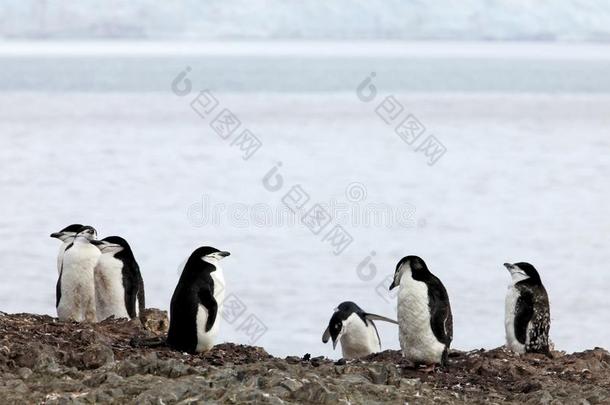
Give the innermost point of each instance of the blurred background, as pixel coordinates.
(468, 133)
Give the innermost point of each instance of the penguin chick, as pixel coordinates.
(527, 318)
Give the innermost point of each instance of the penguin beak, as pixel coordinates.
(510, 267)
(224, 254)
(57, 235)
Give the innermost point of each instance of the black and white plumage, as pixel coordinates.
(527, 319)
(75, 289)
(355, 329)
(66, 236)
(119, 288)
(197, 302)
(424, 314)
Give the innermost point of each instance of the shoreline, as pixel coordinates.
(50, 362)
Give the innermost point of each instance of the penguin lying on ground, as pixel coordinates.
(527, 318)
(75, 287)
(424, 314)
(197, 301)
(355, 329)
(118, 282)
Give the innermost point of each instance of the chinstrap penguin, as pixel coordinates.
(118, 282)
(424, 314)
(527, 320)
(355, 329)
(75, 287)
(66, 236)
(197, 302)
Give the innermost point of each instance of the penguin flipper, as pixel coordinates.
(374, 317)
(326, 335)
(58, 290)
(141, 298)
(441, 319)
(206, 298)
(524, 310)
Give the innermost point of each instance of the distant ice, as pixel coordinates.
(547, 20)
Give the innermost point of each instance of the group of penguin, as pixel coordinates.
(99, 279)
(425, 321)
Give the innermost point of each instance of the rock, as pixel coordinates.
(24, 373)
(46, 361)
(316, 393)
(291, 385)
(156, 321)
(96, 356)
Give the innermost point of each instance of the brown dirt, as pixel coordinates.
(43, 360)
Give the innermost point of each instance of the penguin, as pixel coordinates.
(527, 319)
(355, 329)
(118, 281)
(75, 286)
(425, 321)
(66, 235)
(197, 302)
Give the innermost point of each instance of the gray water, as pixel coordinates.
(525, 177)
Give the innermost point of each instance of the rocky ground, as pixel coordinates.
(50, 362)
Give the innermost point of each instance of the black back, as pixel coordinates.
(196, 286)
(133, 284)
(441, 318)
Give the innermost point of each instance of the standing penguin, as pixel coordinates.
(75, 286)
(424, 314)
(66, 235)
(528, 318)
(118, 282)
(197, 302)
(355, 329)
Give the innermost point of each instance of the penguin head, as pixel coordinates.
(87, 232)
(68, 232)
(523, 271)
(335, 328)
(112, 245)
(209, 254)
(413, 265)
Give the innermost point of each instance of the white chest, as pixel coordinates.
(509, 320)
(77, 283)
(417, 340)
(109, 289)
(206, 340)
(358, 339)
